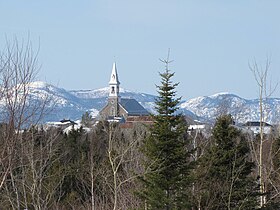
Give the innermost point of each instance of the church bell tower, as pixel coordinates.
(113, 99)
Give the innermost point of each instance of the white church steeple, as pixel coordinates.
(114, 82)
(114, 75)
(113, 99)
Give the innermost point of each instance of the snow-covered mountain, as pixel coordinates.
(58, 103)
(64, 104)
(74, 103)
(207, 108)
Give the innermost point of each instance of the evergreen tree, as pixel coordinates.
(276, 153)
(74, 189)
(273, 198)
(167, 158)
(87, 120)
(226, 170)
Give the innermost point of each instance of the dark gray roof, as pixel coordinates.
(133, 107)
(256, 123)
(68, 121)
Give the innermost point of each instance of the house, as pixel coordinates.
(121, 109)
(62, 123)
(255, 126)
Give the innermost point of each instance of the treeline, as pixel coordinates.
(107, 168)
(80, 170)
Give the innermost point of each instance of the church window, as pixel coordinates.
(113, 90)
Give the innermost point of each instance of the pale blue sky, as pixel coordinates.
(211, 41)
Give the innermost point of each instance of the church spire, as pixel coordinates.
(114, 82)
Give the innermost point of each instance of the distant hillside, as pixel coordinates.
(207, 108)
(72, 104)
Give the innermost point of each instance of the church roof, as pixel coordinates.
(133, 108)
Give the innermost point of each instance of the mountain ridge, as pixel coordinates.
(71, 104)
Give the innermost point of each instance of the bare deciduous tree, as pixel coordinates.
(122, 165)
(18, 69)
(265, 91)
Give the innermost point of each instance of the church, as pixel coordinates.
(122, 109)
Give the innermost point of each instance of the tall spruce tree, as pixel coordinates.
(225, 170)
(167, 158)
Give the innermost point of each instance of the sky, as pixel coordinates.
(211, 43)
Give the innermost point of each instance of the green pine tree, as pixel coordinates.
(273, 199)
(167, 158)
(225, 170)
(74, 190)
(276, 153)
(87, 120)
